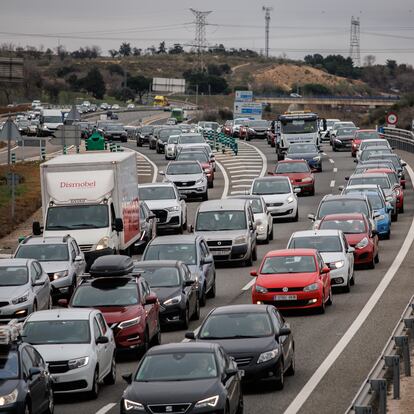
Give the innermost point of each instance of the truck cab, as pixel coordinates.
(49, 121)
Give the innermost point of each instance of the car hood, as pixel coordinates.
(63, 352)
(183, 177)
(165, 293)
(223, 234)
(239, 346)
(160, 204)
(10, 292)
(329, 257)
(287, 280)
(170, 392)
(296, 176)
(116, 314)
(306, 156)
(51, 267)
(275, 198)
(8, 385)
(354, 239)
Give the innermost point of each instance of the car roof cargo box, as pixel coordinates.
(111, 265)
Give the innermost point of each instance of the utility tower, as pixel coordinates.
(200, 33)
(354, 45)
(267, 11)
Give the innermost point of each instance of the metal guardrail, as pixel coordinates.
(401, 139)
(372, 396)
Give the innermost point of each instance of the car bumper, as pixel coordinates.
(230, 253)
(286, 210)
(363, 256)
(342, 144)
(129, 338)
(171, 314)
(19, 312)
(173, 221)
(193, 191)
(75, 380)
(304, 187)
(265, 370)
(16, 408)
(304, 300)
(339, 277)
(383, 226)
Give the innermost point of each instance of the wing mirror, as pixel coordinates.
(283, 332)
(253, 273)
(325, 269)
(127, 378)
(150, 217)
(161, 172)
(63, 303)
(34, 371)
(118, 225)
(102, 340)
(151, 299)
(351, 249)
(297, 190)
(78, 258)
(189, 283)
(190, 335)
(311, 217)
(37, 229)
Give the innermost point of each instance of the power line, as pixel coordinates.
(267, 11)
(200, 33)
(354, 44)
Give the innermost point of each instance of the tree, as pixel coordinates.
(369, 60)
(93, 82)
(176, 49)
(136, 51)
(114, 68)
(161, 48)
(124, 94)
(139, 84)
(125, 49)
(113, 53)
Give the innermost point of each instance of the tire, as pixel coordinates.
(205, 196)
(347, 288)
(271, 235)
(388, 235)
(240, 407)
(111, 377)
(292, 367)
(196, 315)
(371, 265)
(254, 253)
(184, 226)
(139, 144)
(49, 303)
(211, 184)
(296, 218)
(203, 296)
(212, 292)
(249, 262)
(280, 382)
(334, 148)
(267, 239)
(34, 307)
(156, 339)
(51, 406)
(376, 258)
(144, 348)
(353, 279)
(330, 300)
(394, 217)
(186, 318)
(401, 209)
(320, 169)
(322, 308)
(312, 193)
(27, 409)
(93, 394)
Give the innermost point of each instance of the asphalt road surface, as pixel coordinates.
(332, 389)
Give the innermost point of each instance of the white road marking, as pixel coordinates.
(244, 175)
(323, 153)
(241, 180)
(331, 161)
(226, 180)
(241, 186)
(324, 367)
(249, 285)
(106, 408)
(264, 159)
(335, 170)
(332, 184)
(155, 168)
(251, 168)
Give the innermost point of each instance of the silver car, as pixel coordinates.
(24, 288)
(188, 177)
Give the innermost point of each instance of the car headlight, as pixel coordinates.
(130, 322)
(173, 301)
(290, 199)
(260, 289)
(21, 299)
(207, 170)
(267, 356)
(311, 287)
(200, 181)
(132, 405)
(317, 158)
(58, 275)
(103, 243)
(338, 264)
(78, 362)
(307, 180)
(380, 217)
(9, 398)
(261, 228)
(175, 208)
(363, 243)
(338, 141)
(240, 240)
(207, 402)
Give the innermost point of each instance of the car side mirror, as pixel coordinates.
(189, 283)
(341, 187)
(253, 273)
(183, 197)
(190, 335)
(63, 303)
(374, 232)
(355, 161)
(151, 299)
(118, 225)
(78, 258)
(150, 217)
(347, 178)
(270, 173)
(127, 378)
(403, 164)
(161, 172)
(283, 332)
(230, 372)
(191, 229)
(39, 282)
(34, 371)
(325, 269)
(102, 340)
(351, 249)
(311, 217)
(206, 260)
(37, 228)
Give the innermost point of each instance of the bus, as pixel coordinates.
(178, 114)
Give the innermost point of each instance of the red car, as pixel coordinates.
(360, 135)
(293, 279)
(299, 174)
(359, 234)
(228, 128)
(129, 307)
(395, 183)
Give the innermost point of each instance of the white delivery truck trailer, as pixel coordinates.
(94, 198)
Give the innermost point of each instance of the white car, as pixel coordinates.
(171, 121)
(131, 106)
(170, 148)
(78, 346)
(115, 106)
(368, 143)
(279, 195)
(335, 252)
(169, 207)
(329, 124)
(262, 217)
(237, 123)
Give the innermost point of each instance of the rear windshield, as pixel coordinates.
(347, 226)
(263, 187)
(321, 243)
(343, 207)
(187, 168)
(383, 182)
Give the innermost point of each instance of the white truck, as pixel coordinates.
(49, 121)
(94, 198)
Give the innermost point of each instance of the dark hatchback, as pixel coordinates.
(308, 152)
(144, 134)
(184, 378)
(175, 288)
(256, 336)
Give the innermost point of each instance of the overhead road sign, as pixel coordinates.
(243, 96)
(11, 69)
(168, 85)
(73, 116)
(248, 110)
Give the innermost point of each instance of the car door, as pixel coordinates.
(78, 264)
(41, 285)
(285, 341)
(35, 384)
(349, 255)
(251, 226)
(204, 256)
(150, 309)
(190, 291)
(325, 277)
(108, 347)
(100, 349)
(231, 383)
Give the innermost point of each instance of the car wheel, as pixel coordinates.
(49, 303)
(180, 230)
(371, 264)
(186, 317)
(34, 307)
(196, 314)
(271, 231)
(51, 405)
(211, 184)
(185, 224)
(254, 253)
(267, 239)
(139, 144)
(240, 406)
(401, 209)
(111, 377)
(291, 370)
(312, 192)
(320, 169)
(322, 308)
(203, 296)
(347, 287)
(330, 300)
(205, 196)
(296, 218)
(376, 259)
(93, 394)
(249, 261)
(280, 382)
(394, 217)
(388, 235)
(142, 350)
(352, 282)
(156, 340)
(334, 148)
(27, 409)
(212, 291)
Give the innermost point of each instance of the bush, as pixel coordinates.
(315, 89)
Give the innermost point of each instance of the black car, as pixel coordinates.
(343, 138)
(257, 129)
(154, 137)
(115, 132)
(143, 135)
(184, 378)
(26, 385)
(175, 288)
(256, 336)
(308, 152)
(148, 224)
(162, 140)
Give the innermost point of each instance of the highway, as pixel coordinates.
(333, 388)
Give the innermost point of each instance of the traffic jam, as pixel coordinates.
(115, 263)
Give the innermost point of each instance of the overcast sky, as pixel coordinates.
(297, 27)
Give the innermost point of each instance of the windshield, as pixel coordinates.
(44, 252)
(156, 193)
(173, 139)
(292, 167)
(383, 182)
(147, 130)
(52, 120)
(369, 152)
(164, 134)
(258, 124)
(13, 275)
(236, 325)
(263, 187)
(9, 366)
(57, 332)
(374, 198)
(371, 144)
(347, 226)
(393, 178)
(183, 366)
(288, 264)
(346, 131)
(367, 135)
(256, 204)
(221, 220)
(181, 169)
(343, 207)
(302, 149)
(393, 158)
(192, 139)
(320, 243)
(160, 276)
(105, 293)
(184, 252)
(193, 156)
(115, 128)
(330, 123)
(77, 217)
(299, 126)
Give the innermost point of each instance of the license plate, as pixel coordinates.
(285, 297)
(220, 252)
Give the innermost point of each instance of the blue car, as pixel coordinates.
(308, 152)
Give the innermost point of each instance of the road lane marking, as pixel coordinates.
(226, 180)
(264, 159)
(332, 184)
(331, 161)
(240, 180)
(249, 285)
(106, 408)
(155, 168)
(244, 175)
(335, 170)
(324, 367)
(323, 153)
(241, 186)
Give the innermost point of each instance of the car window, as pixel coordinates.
(96, 329)
(145, 288)
(279, 319)
(72, 251)
(35, 356)
(33, 272)
(102, 323)
(27, 362)
(204, 249)
(77, 249)
(222, 362)
(186, 272)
